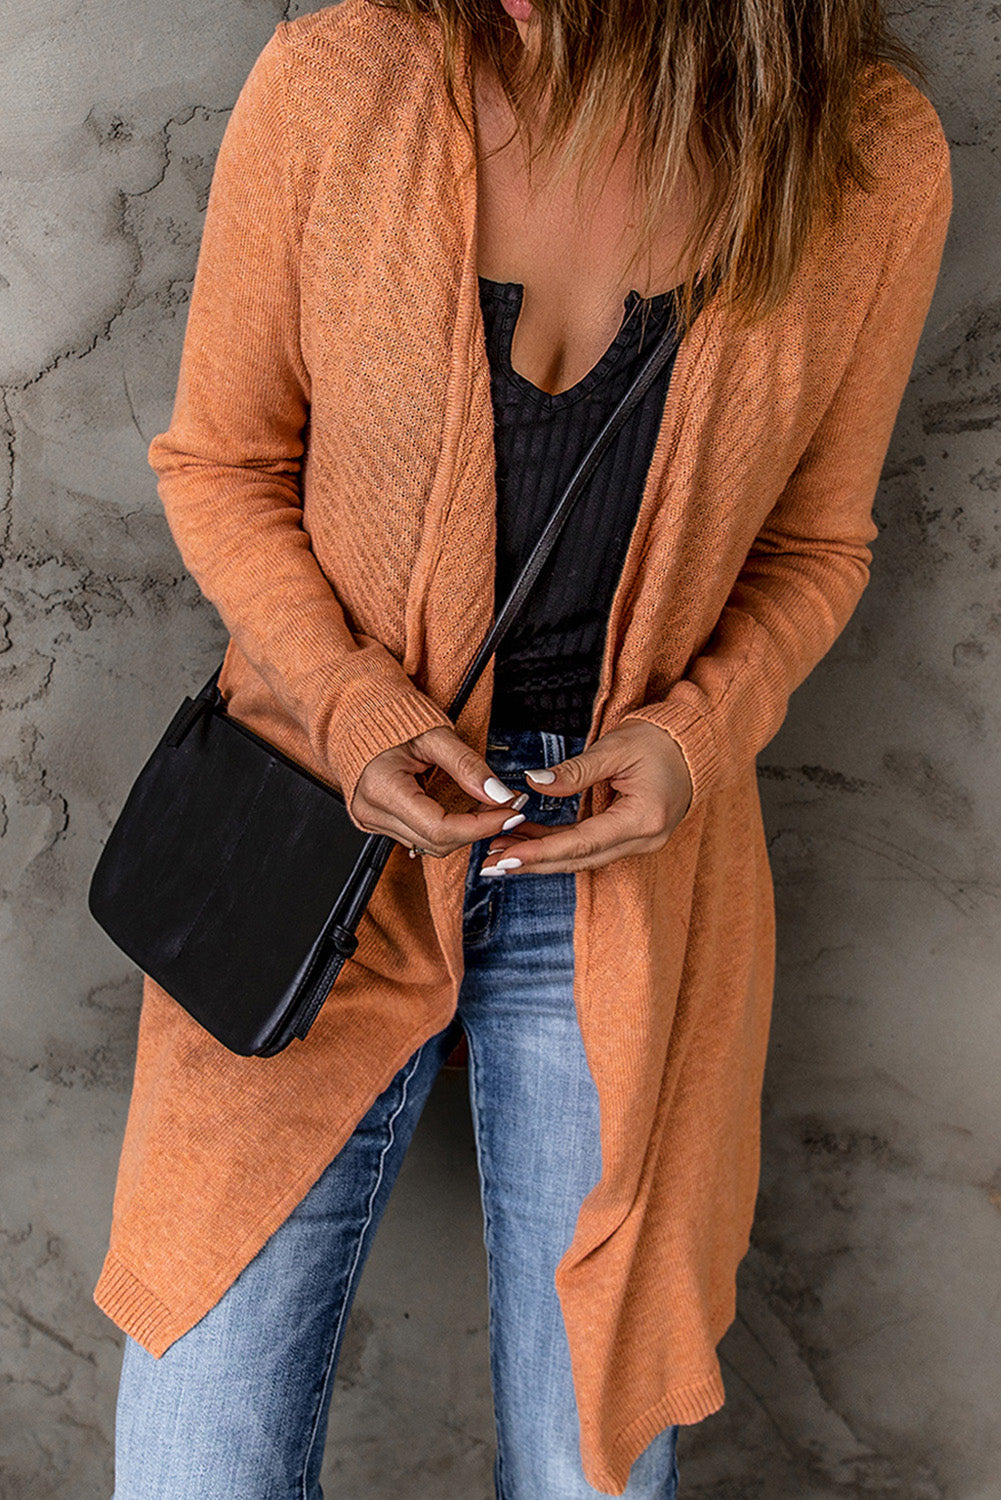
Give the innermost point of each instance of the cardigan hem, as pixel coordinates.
(130, 1304)
(684, 1405)
(140, 1314)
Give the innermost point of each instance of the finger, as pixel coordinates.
(383, 821)
(465, 765)
(525, 831)
(390, 800)
(409, 814)
(586, 845)
(451, 830)
(600, 762)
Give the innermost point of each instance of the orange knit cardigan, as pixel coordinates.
(328, 474)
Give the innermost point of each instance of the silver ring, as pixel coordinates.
(415, 850)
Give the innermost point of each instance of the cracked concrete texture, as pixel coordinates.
(864, 1361)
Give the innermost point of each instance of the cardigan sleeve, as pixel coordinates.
(229, 463)
(809, 563)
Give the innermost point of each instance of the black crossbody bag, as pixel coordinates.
(234, 877)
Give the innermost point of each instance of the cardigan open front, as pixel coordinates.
(328, 476)
(546, 669)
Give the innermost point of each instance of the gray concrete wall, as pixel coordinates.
(865, 1361)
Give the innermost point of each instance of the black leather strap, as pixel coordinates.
(537, 558)
(536, 561)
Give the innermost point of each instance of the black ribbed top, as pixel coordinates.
(546, 670)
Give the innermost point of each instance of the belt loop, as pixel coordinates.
(552, 754)
(552, 748)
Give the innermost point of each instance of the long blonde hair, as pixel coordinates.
(762, 93)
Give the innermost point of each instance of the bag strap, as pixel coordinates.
(539, 555)
(537, 558)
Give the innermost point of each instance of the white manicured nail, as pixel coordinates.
(542, 777)
(512, 822)
(496, 790)
(518, 803)
(509, 864)
(490, 870)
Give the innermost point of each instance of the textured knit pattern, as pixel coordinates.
(547, 668)
(352, 562)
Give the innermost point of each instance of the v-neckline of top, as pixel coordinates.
(510, 294)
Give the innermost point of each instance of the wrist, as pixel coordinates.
(379, 717)
(679, 770)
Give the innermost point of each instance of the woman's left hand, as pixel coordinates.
(650, 776)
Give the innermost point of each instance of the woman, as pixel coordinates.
(440, 240)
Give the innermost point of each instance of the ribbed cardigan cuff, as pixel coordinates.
(372, 718)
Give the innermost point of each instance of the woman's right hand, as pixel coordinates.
(388, 800)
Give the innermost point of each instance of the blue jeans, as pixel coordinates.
(236, 1409)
